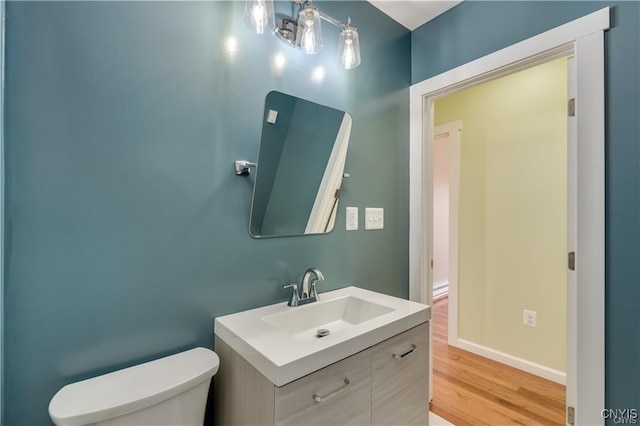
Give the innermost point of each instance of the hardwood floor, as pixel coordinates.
(472, 390)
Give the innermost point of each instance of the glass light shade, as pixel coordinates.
(349, 48)
(259, 16)
(309, 35)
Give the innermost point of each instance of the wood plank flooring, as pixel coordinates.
(472, 390)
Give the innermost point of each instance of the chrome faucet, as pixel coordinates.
(309, 291)
(309, 284)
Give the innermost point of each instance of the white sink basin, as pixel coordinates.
(280, 341)
(334, 315)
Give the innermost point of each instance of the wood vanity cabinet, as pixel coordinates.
(400, 379)
(387, 384)
(324, 398)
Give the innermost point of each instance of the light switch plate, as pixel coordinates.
(374, 218)
(352, 218)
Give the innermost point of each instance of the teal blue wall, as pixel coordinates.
(474, 29)
(126, 228)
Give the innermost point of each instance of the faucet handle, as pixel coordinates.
(294, 294)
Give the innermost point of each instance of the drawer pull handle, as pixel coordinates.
(407, 353)
(317, 398)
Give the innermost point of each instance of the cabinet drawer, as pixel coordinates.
(339, 394)
(400, 379)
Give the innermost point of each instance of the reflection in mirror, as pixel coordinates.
(300, 167)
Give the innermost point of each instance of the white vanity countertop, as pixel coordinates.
(283, 355)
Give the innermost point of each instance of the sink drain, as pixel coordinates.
(322, 332)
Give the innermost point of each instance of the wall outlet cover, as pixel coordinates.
(530, 318)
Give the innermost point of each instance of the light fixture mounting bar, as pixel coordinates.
(333, 20)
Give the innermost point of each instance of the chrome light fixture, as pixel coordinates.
(259, 16)
(305, 33)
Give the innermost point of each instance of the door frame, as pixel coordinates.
(323, 213)
(452, 131)
(582, 38)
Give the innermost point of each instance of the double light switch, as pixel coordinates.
(374, 218)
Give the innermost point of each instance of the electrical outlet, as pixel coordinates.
(530, 318)
(352, 218)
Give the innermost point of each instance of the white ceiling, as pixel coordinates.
(413, 13)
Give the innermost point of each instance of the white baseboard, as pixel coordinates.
(513, 361)
(440, 290)
(440, 284)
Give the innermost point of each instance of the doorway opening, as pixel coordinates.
(499, 241)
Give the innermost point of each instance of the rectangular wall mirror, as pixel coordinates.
(300, 167)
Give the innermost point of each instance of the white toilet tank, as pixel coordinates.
(167, 391)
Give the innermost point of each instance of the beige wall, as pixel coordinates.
(512, 245)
